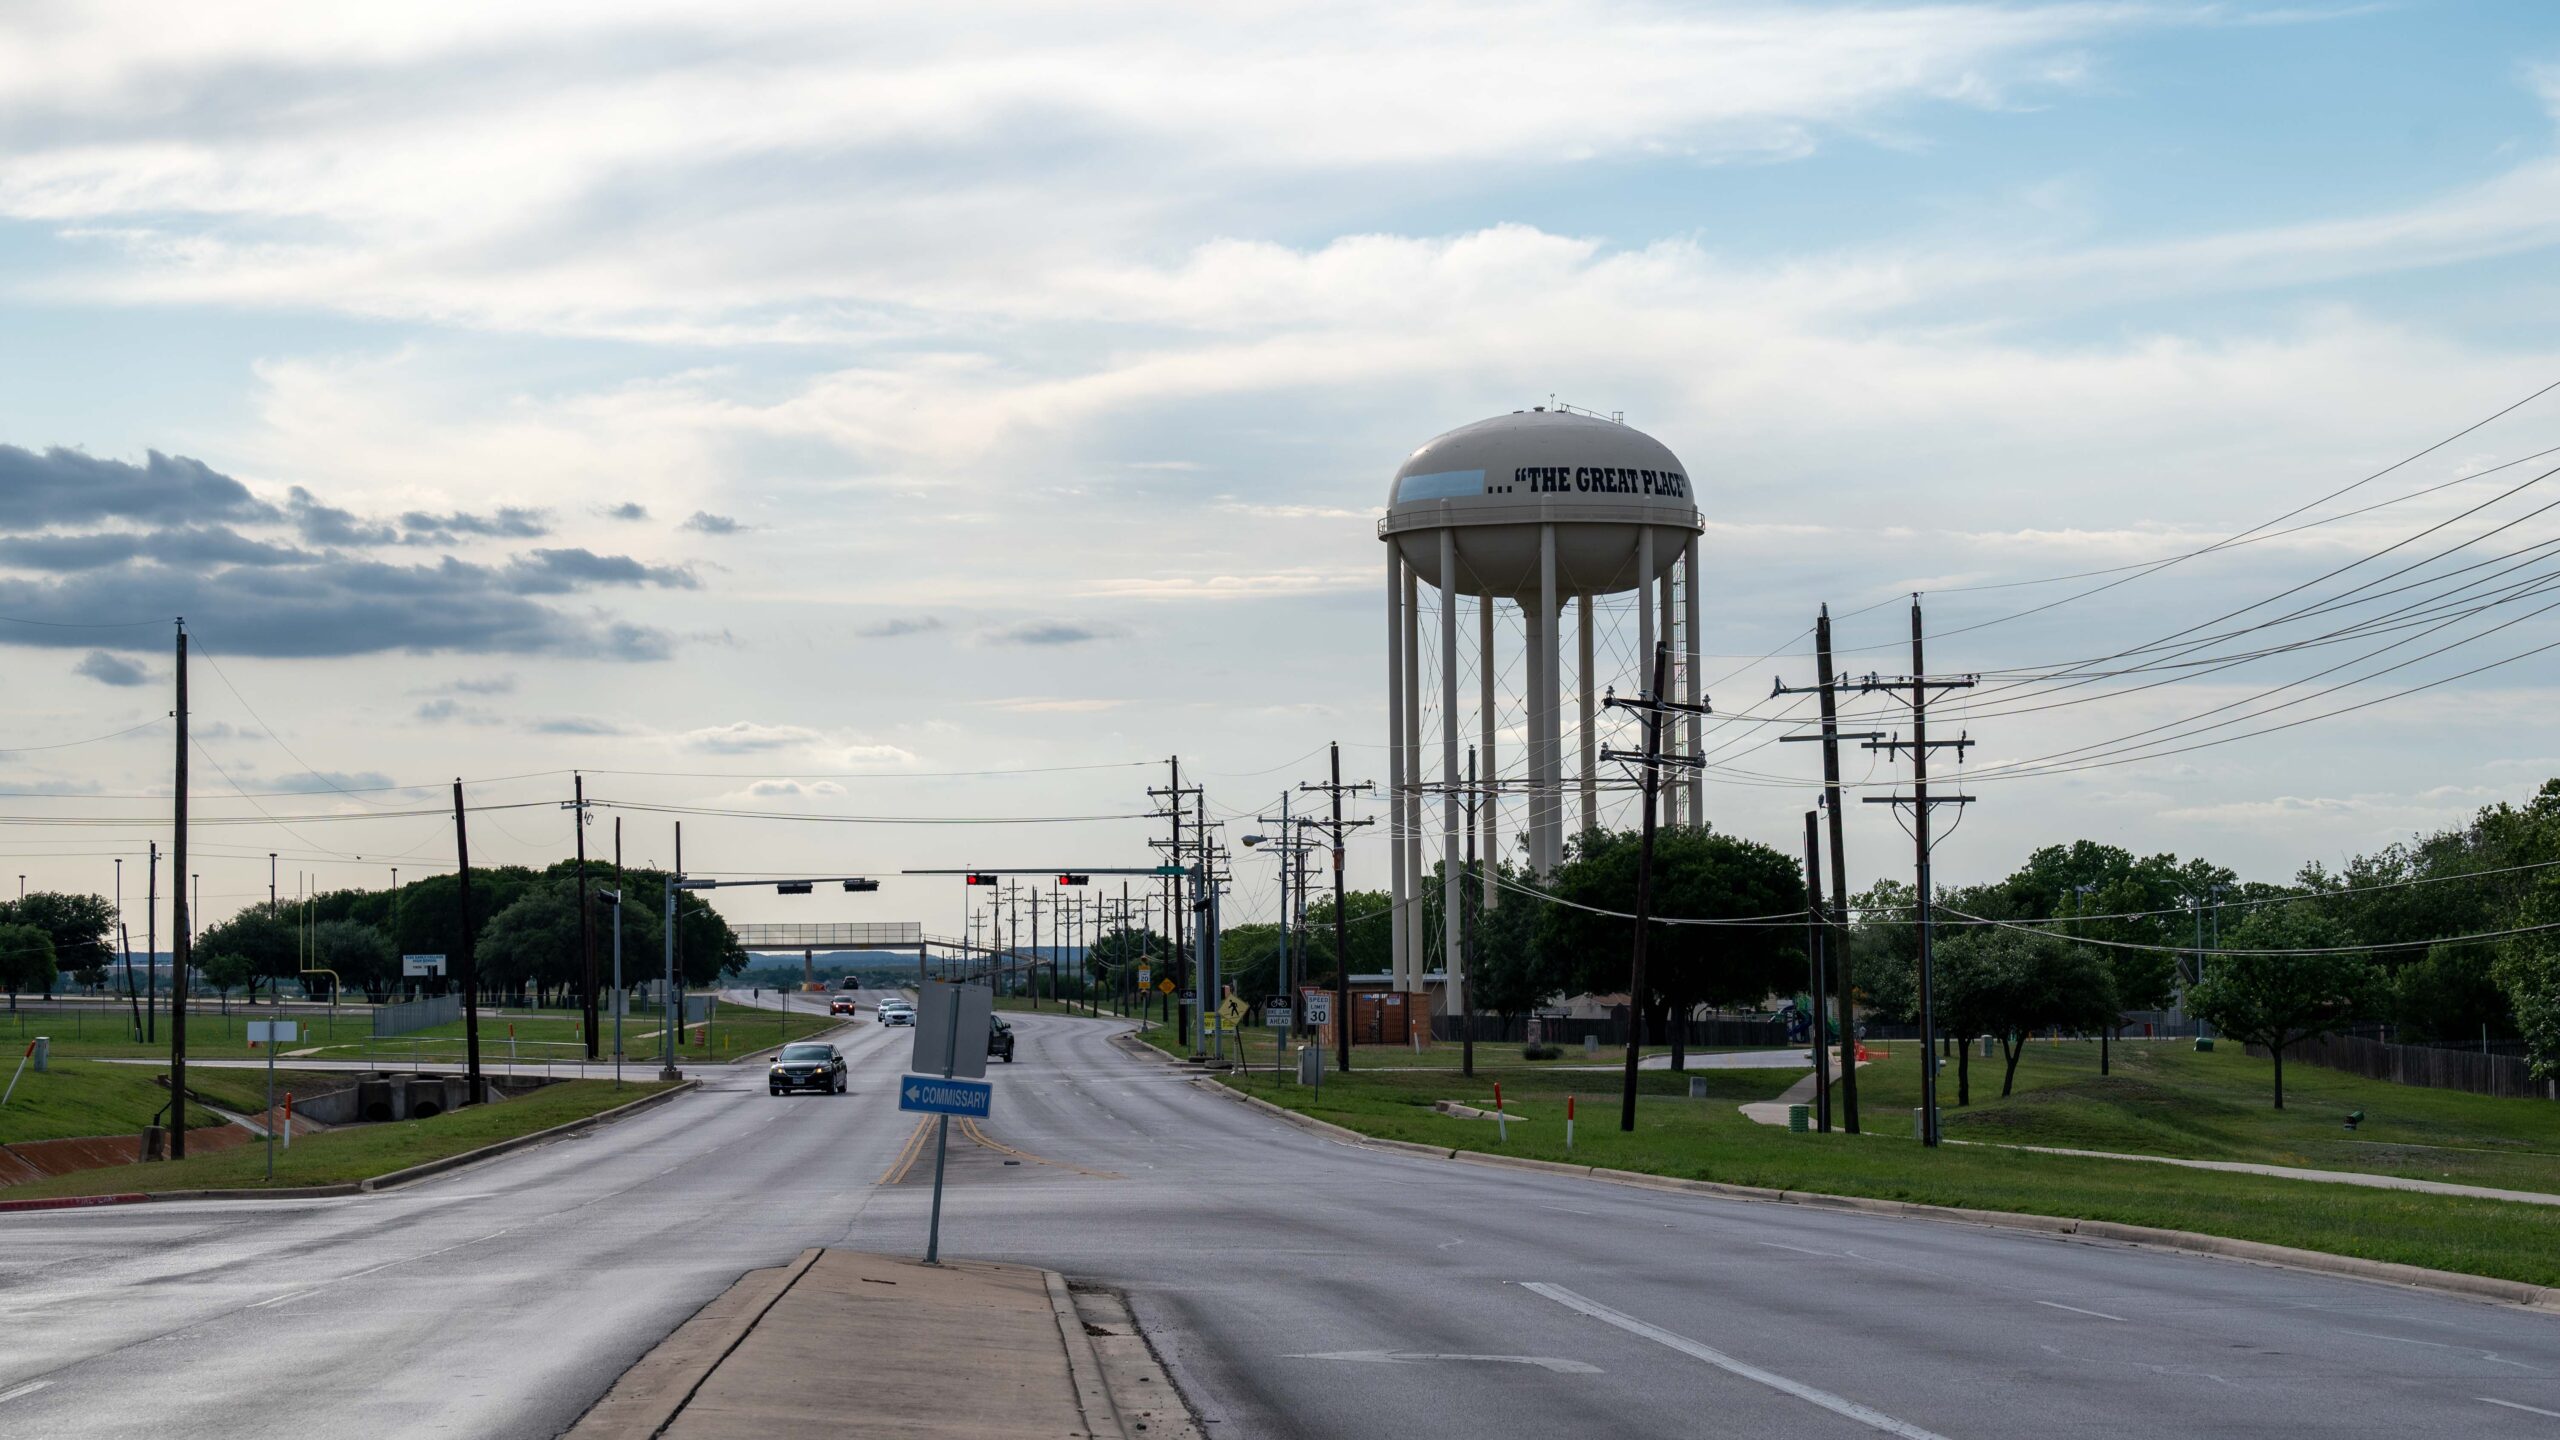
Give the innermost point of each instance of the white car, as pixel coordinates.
(897, 1012)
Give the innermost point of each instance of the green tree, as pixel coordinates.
(81, 927)
(1514, 971)
(2528, 972)
(1992, 980)
(1698, 874)
(1884, 952)
(248, 948)
(533, 943)
(2297, 993)
(357, 953)
(26, 960)
(1365, 926)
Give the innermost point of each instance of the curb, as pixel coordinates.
(1084, 1368)
(653, 1404)
(502, 1147)
(2320, 1262)
(67, 1202)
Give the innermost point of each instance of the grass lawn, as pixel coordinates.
(1708, 1140)
(2166, 1099)
(211, 1035)
(354, 1153)
(735, 1031)
(81, 1097)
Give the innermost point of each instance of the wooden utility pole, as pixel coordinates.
(1921, 684)
(1815, 956)
(586, 940)
(1335, 829)
(180, 950)
(1185, 974)
(469, 963)
(1654, 707)
(1837, 920)
(1471, 901)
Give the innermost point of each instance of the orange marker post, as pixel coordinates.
(1568, 1124)
(1501, 1121)
(288, 1120)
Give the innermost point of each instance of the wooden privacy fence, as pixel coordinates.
(2502, 1075)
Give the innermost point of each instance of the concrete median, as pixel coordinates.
(984, 1350)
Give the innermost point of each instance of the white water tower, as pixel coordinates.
(1541, 509)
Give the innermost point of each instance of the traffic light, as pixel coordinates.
(1073, 879)
(792, 887)
(862, 884)
(979, 877)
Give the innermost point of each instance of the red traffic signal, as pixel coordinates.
(1073, 879)
(980, 878)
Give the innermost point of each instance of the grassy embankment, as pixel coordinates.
(83, 1097)
(357, 1152)
(1709, 1140)
(2166, 1099)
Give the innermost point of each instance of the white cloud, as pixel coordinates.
(747, 737)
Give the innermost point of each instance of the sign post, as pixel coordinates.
(951, 1037)
(1275, 1015)
(268, 1033)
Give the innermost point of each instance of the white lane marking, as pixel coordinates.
(2484, 1399)
(1774, 1245)
(2076, 1310)
(1409, 1357)
(33, 1386)
(2492, 1356)
(280, 1299)
(1848, 1409)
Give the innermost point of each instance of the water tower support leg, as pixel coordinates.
(1490, 816)
(1550, 767)
(1588, 713)
(1396, 895)
(1450, 929)
(1680, 646)
(1691, 686)
(1409, 813)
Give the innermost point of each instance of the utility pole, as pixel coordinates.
(1920, 684)
(1654, 707)
(470, 964)
(151, 944)
(1183, 977)
(1827, 688)
(180, 948)
(618, 1006)
(1472, 900)
(1815, 956)
(1341, 925)
(586, 939)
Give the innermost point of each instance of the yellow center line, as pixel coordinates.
(907, 1153)
(969, 1127)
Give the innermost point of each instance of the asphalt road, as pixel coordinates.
(1298, 1287)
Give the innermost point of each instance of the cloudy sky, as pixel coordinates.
(950, 412)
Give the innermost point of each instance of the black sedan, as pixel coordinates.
(809, 1067)
(999, 1039)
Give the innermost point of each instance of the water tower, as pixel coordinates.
(1542, 509)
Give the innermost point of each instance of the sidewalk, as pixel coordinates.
(975, 1349)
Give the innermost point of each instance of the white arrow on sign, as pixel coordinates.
(1411, 1357)
(914, 1090)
